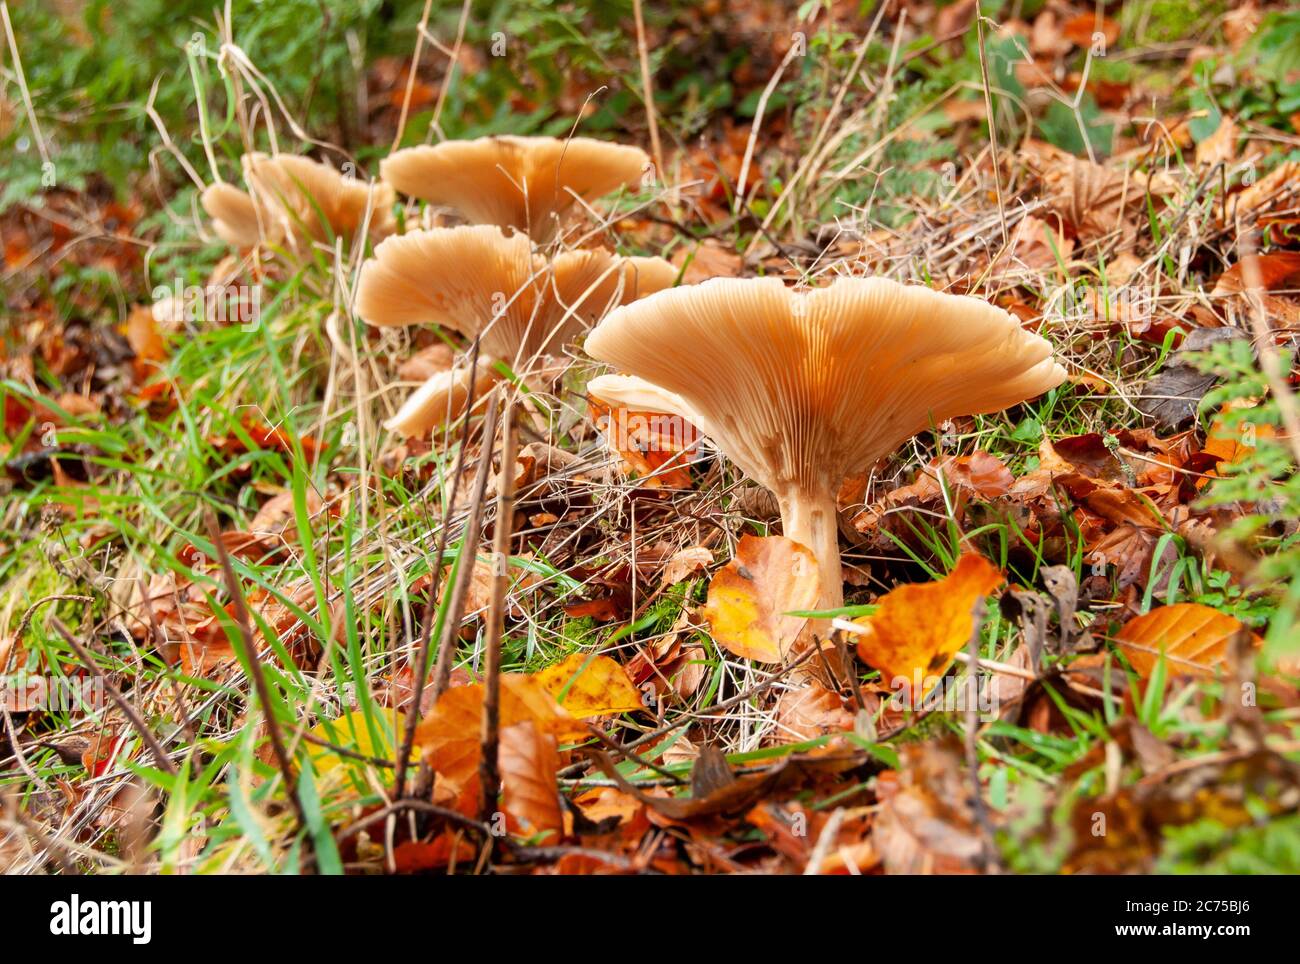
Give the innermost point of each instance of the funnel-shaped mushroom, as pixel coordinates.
(526, 183)
(296, 199)
(802, 388)
(482, 283)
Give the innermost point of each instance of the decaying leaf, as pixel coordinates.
(925, 824)
(749, 597)
(685, 563)
(918, 628)
(809, 711)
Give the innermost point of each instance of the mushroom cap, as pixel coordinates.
(296, 198)
(800, 388)
(234, 215)
(481, 282)
(638, 395)
(514, 182)
(442, 397)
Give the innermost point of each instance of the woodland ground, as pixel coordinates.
(1134, 200)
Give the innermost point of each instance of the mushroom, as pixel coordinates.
(296, 199)
(802, 388)
(485, 284)
(526, 183)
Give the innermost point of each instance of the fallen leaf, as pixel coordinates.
(924, 824)
(708, 259)
(1086, 29)
(588, 686)
(654, 446)
(809, 711)
(769, 576)
(452, 732)
(1219, 146)
(686, 562)
(1193, 638)
(353, 732)
(528, 760)
(918, 628)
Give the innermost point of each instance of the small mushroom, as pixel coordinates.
(527, 183)
(298, 200)
(802, 388)
(441, 397)
(485, 284)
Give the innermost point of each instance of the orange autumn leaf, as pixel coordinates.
(1086, 29)
(749, 597)
(588, 686)
(918, 629)
(452, 731)
(141, 331)
(1194, 639)
(528, 761)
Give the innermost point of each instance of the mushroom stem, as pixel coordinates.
(809, 518)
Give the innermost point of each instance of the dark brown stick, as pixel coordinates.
(259, 678)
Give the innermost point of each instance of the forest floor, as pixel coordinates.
(213, 546)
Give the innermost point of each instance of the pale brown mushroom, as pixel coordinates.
(527, 183)
(298, 200)
(484, 284)
(802, 388)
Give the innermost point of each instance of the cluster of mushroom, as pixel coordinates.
(485, 280)
(798, 387)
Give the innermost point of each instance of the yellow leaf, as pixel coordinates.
(916, 631)
(590, 686)
(352, 732)
(1194, 639)
(749, 595)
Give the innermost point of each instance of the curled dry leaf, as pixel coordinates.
(684, 563)
(750, 596)
(916, 631)
(588, 686)
(1193, 638)
(1097, 200)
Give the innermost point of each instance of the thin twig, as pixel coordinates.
(431, 605)
(651, 114)
(146, 734)
(259, 676)
(987, 858)
(465, 568)
(488, 770)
